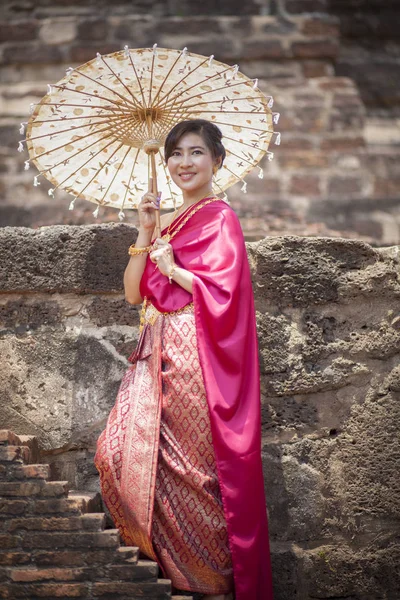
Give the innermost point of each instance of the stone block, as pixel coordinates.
(303, 159)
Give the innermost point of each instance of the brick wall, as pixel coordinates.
(325, 180)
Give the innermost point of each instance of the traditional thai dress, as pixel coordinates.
(180, 459)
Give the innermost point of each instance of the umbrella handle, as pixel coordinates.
(155, 191)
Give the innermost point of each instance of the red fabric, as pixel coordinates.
(211, 246)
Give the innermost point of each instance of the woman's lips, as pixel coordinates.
(186, 176)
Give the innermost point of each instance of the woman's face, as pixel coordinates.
(191, 164)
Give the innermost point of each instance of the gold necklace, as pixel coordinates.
(185, 217)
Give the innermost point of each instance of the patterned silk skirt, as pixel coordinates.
(156, 460)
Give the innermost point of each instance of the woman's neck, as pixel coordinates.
(192, 198)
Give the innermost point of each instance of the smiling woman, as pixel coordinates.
(180, 459)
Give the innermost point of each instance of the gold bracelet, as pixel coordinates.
(135, 251)
(172, 271)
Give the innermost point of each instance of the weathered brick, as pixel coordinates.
(85, 53)
(46, 524)
(31, 53)
(90, 557)
(60, 506)
(32, 472)
(14, 558)
(144, 570)
(95, 30)
(264, 48)
(9, 437)
(305, 185)
(326, 48)
(35, 574)
(102, 539)
(306, 159)
(18, 31)
(343, 143)
(93, 521)
(26, 488)
(12, 507)
(338, 186)
(44, 590)
(296, 142)
(316, 68)
(55, 489)
(9, 541)
(16, 454)
(157, 590)
(321, 26)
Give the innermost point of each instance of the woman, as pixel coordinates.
(180, 459)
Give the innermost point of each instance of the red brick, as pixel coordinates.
(386, 187)
(102, 539)
(31, 472)
(14, 558)
(320, 26)
(30, 53)
(265, 48)
(12, 507)
(305, 185)
(34, 574)
(327, 48)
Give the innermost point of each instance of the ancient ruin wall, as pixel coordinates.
(328, 314)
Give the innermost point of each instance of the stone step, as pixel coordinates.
(89, 502)
(56, 544)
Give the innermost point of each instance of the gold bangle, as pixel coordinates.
(135, 251)
(172, 271)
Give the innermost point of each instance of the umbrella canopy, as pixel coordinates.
(96, 130)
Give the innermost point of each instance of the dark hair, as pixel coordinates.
(210, 133)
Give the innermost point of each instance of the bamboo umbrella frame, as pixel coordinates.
(99, 132)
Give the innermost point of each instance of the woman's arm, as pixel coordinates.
(134, 270)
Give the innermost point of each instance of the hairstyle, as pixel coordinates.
(210, 133)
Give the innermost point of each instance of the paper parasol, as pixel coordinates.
(100, 131)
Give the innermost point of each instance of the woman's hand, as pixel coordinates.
(162, 256)
(147, 210)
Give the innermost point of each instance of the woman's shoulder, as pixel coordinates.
(222, 210)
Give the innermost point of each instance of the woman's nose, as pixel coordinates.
(186, 159)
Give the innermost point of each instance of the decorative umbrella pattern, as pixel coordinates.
(97, 131)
